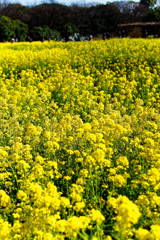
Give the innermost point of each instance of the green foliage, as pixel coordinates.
(148, 3)
(57, 21)
(12, 28)
(21, 30)
(4, 29)
(45, 32)
(69, 30)
(153, 15)
(103, 18)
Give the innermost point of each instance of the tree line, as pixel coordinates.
(57, 21)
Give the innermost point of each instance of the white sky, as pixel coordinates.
(67, 2)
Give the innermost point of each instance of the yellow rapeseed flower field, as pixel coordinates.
(80, 140)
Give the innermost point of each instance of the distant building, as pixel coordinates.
(144, 28)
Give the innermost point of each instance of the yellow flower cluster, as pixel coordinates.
(80, 140)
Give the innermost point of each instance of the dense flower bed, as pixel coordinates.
(80, 140)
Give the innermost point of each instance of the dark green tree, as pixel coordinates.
(104, 18)
(69, 30)
(20, 30)
(4, 29)
(51, 33)
(148, 3)
(153, 15)
(37, 33)
(12, 28)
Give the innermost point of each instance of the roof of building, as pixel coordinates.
(138, 24)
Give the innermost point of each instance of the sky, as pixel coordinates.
(67, 2)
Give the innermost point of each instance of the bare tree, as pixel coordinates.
(4, 3)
